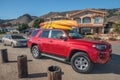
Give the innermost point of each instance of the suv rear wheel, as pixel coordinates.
(36, 52)
(81, 63)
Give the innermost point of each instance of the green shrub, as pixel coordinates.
(0, 40)
(88, 37)
(97, 38)
(2, 32)
(37, 22)
(15, 32)
(22, 27)
(89, 33)
(112, 39)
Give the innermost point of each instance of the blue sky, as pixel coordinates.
(10, 9)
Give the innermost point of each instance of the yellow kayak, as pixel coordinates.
(55, 26)
(60, 24)
(66, 23)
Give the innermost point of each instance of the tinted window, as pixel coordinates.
(17, 37)
(86, 20)
(7, 36)
(45, 34)
(98, 20)
(34, 32)
(73, 34)
(78, 20)
(56, 34)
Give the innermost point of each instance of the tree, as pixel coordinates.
(9, 24)
(22, 27)
(37, 22)
(116, 28)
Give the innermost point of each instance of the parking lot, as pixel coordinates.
(37, 68)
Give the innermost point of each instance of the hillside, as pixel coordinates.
(51, 14)
(5, 21)
(112, 15)
(26, 18)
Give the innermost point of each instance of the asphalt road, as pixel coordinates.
(37, 68)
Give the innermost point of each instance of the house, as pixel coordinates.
(109, 27)
(90, 21)
(7, 28)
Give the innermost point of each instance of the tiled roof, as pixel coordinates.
(103, 12)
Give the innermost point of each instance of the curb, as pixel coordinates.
(114, 42)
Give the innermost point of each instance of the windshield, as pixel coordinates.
(73, 34)
(17, 37)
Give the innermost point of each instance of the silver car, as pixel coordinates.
(14, 40)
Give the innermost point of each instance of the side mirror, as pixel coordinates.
(63, 38)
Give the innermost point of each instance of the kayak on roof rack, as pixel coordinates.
(59, 24)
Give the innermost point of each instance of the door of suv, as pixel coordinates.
(57, 45)
(43, 41)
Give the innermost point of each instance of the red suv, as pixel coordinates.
(68, 45)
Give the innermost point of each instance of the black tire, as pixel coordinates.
(36, 52)
(12, 45)
(81, 63)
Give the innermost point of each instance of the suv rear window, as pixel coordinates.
(45, 34)
(56, 34)
(34, 32)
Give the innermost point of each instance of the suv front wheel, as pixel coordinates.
(36, 52)
(81, 63)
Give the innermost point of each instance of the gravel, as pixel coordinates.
(37, 68)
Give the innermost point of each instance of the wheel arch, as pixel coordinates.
(35, 54)
(74, 51)
(88, 63)
(32, 46)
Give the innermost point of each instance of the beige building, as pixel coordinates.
(90, 21)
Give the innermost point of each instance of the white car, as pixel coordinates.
(14, 40)
(14, 31)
